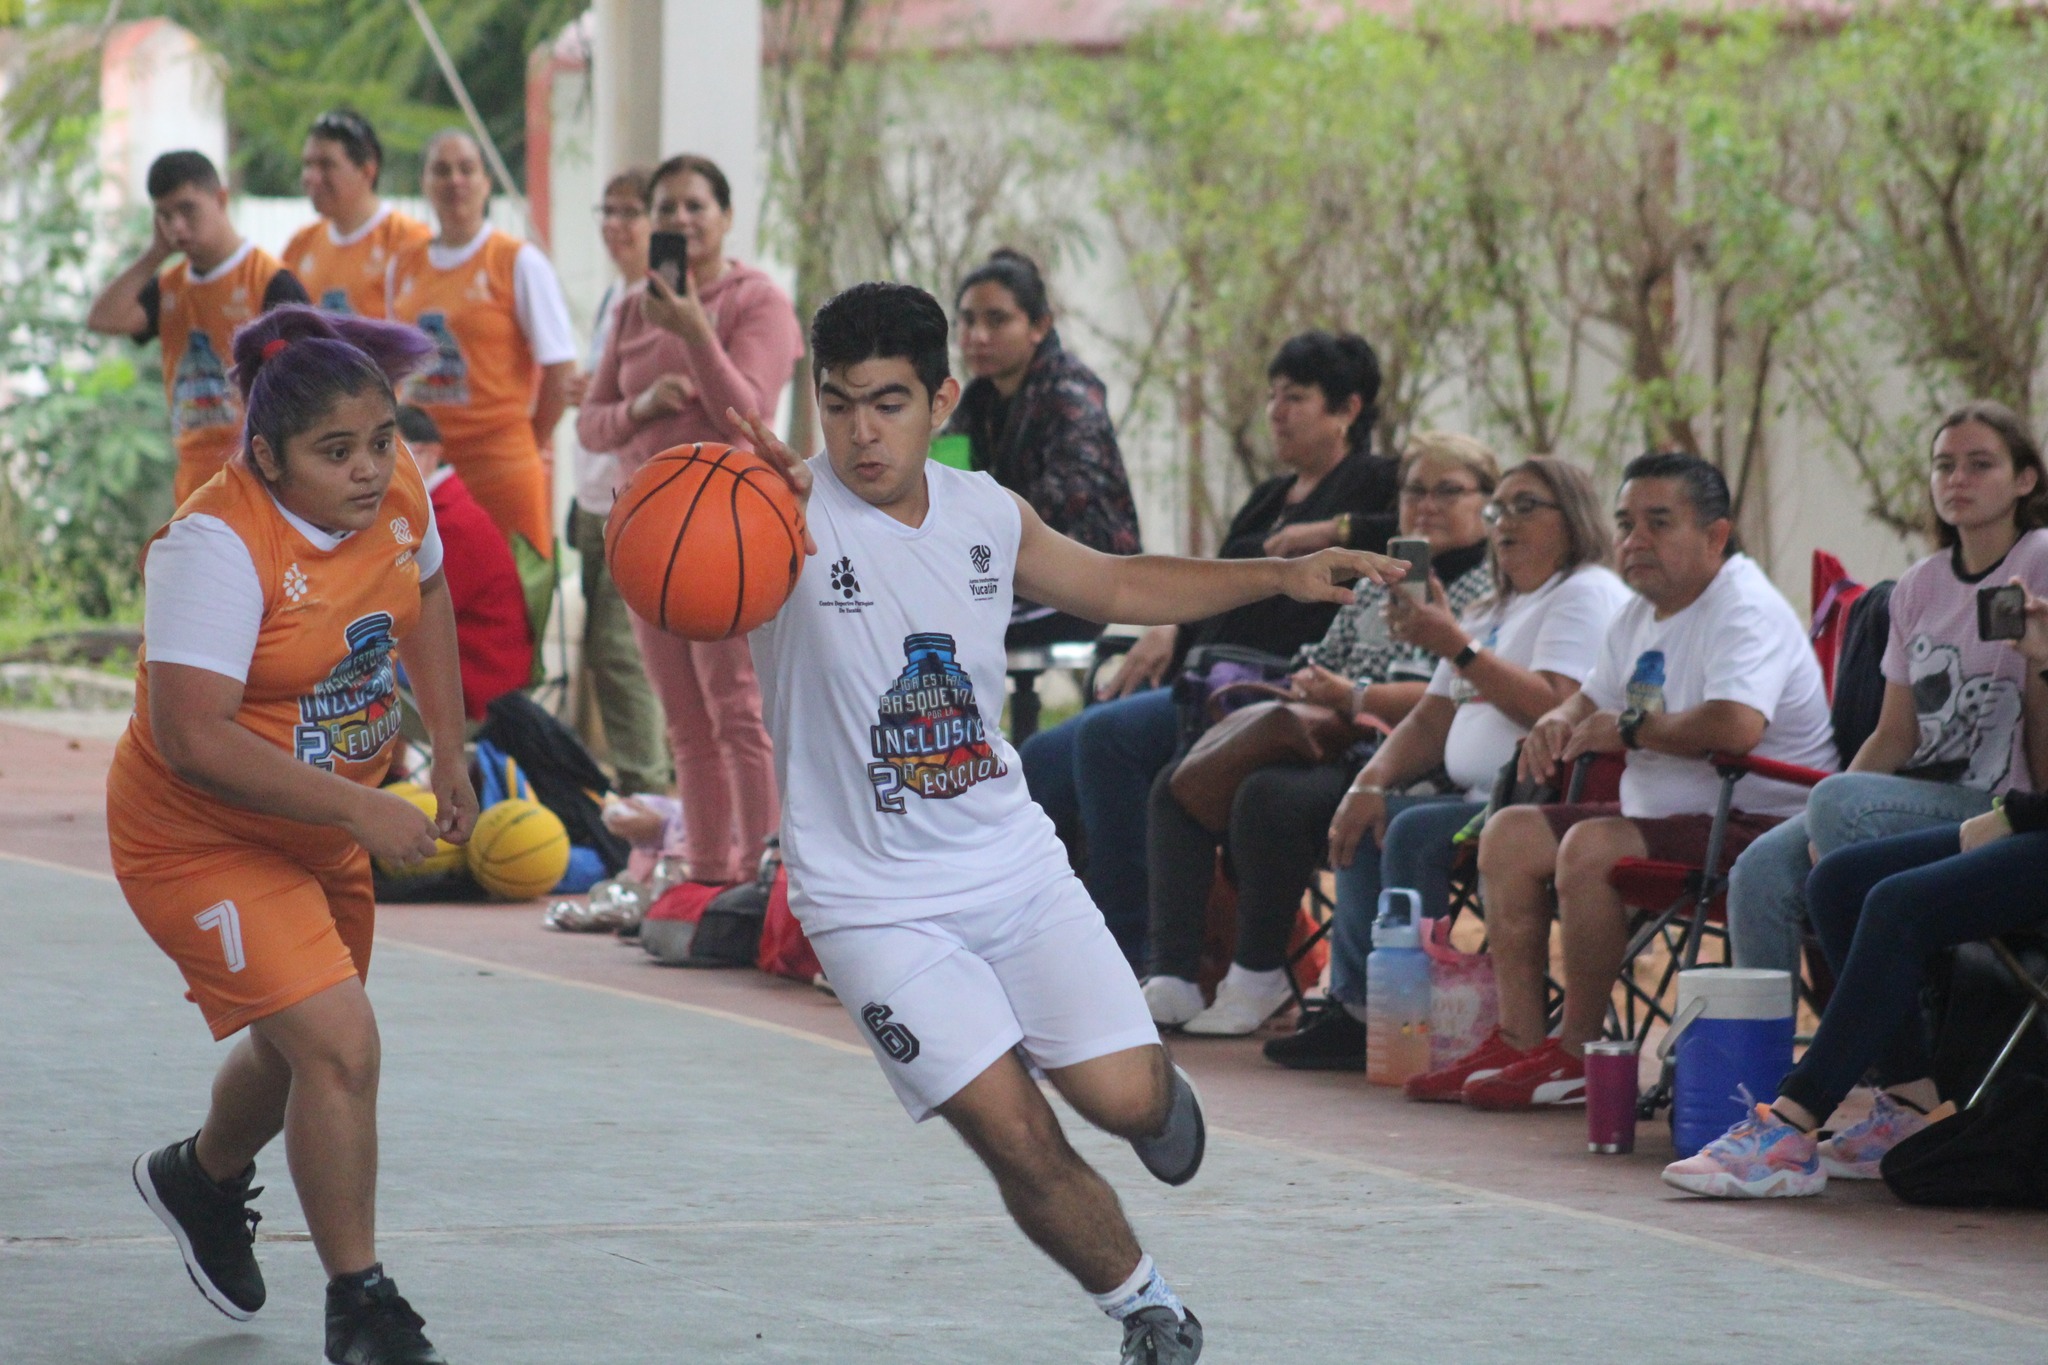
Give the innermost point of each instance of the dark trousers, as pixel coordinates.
(1279, 833)
(1058, 628)
(1880, 910)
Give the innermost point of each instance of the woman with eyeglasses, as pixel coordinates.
(1514, 654)
(504, 345)
(611, 657)
(1280, 815)
(341, 259)
(723, 338)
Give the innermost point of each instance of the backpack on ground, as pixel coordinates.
(563, 775)
(1993, 1156)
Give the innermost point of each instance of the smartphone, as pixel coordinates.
(2001, 612)
(668, 255)
(1414, 550)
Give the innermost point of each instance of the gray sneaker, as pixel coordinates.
(1153, 1336)
(1174, 1154)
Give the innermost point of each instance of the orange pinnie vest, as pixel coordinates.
(197, 322)
(350, 279)
(480, 385)
(322, 683)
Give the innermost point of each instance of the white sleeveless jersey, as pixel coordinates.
(882, 683)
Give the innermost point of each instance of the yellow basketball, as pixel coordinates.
(445, 858)
(519, 850)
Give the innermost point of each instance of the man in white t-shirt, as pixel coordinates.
(934, 890)
(1708, 658)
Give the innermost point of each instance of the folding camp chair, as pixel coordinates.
(2036, 988)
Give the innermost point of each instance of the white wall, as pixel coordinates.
(160, 91)
(711, 98)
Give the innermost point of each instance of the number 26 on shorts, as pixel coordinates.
(228, 921)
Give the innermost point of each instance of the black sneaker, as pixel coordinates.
(1153, 1336)
(1174, 1153)
(1329, 1039)
(214, 1225)
(368, 1323)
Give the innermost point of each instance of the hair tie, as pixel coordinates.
(273, 346)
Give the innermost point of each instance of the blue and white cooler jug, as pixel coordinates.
(1732, 1032)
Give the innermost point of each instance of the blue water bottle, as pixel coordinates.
(1397, 992)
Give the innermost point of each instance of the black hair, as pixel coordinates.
(295, 361)
(692, 165)
(881, 321)
(1706, 488)
(1340, 364)
(417, 425)
(1014, 271)
(174, 170)
(2030, 511)
(357, 139)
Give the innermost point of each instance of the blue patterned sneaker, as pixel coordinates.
(1762, 1157)
(1853, 1153)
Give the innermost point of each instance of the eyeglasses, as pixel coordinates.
(1443, 495)
(623, 213)
(1514, 509)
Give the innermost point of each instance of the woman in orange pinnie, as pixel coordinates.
(244, 808)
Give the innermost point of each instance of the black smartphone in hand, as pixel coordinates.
(668, 255)
(2001, 612)
(1414, 550)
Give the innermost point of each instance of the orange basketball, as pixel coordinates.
(706, 541)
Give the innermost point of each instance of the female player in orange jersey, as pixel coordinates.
(504, 347)
(243, 805)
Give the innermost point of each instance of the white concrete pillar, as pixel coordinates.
(626, 85)
(711, 99)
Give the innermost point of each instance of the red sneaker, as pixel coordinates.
(1547, 1077)
(1448, 1082)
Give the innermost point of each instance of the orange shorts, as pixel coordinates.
(508, 479)
(253, 930)
(199, 461)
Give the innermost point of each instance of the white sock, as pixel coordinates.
(1245, 979)
(1144, 1289)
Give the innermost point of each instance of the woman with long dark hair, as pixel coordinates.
(243, 806)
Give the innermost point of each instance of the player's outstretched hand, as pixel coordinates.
(764, 442)
(455, 802)
(1327, 575)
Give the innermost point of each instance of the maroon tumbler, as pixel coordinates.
(1610, 1097)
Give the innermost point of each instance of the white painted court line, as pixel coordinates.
(1292, 1150)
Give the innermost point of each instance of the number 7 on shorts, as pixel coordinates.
(228, 920)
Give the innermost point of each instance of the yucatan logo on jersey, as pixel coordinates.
(929, 738)
(845, 586)
(353, 712)
(200, 395)
(447, 379)
(981, 588)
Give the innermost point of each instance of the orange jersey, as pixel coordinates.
(348, 277)
(197, 321)
(480, 385)
(321, 685)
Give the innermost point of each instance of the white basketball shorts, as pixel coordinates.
(941, 999)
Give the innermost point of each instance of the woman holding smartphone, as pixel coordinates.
(722, 337)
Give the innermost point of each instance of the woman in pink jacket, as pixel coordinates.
(677, 359)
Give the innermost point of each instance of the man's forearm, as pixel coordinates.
(1162, 590)
(118, 309)
(1713, 727)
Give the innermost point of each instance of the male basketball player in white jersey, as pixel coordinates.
(935, 892)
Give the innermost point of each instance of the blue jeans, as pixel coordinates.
(1880, 910)
(1767, 886)
(1094, 773)
(1417, 855)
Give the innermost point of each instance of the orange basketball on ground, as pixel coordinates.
(705, 541)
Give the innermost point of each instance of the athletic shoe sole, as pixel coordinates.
(1194, 1165)
(1724, 1185)
(146, 1187)
(1843, 1170)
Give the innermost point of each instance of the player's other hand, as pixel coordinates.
(390, 827)
(455, 802)
(1327, 575)
(763, 441)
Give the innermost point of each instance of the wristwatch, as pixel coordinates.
(1462, 660)
(1630, 722)
(1342, 521)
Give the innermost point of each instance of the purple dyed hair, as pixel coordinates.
(287, 388)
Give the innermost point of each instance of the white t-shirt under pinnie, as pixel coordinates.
(1739, 641)
(882, 683)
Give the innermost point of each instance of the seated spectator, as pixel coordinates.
(1281, 815)
(1092, 774)
(1949, 739)
(1037, 419)
(491, 633)
(1881, 909)
(1514, 655)
(1707, 657)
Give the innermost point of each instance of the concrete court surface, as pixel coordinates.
(587, 1158)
